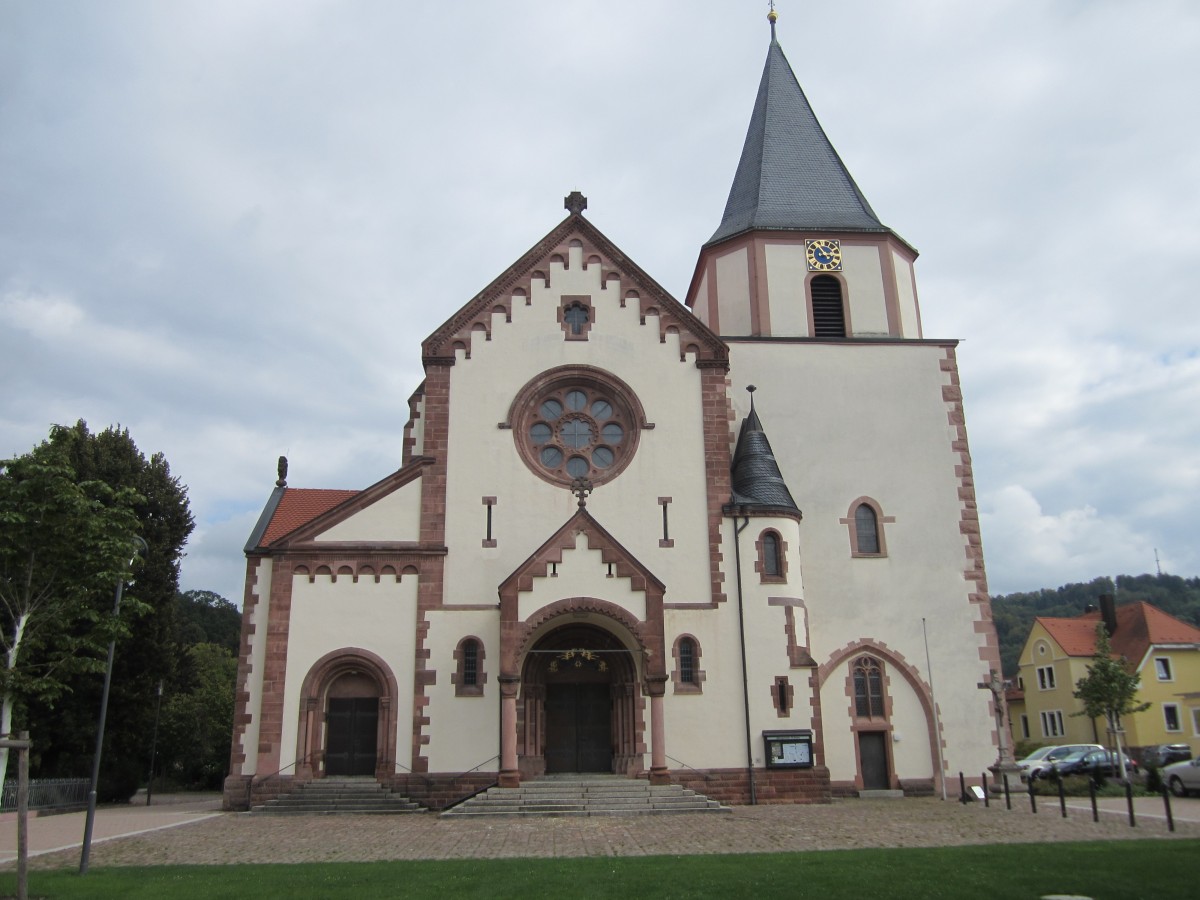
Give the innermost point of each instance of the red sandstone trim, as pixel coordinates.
(242, 716)
(973, 571)
(717, 418)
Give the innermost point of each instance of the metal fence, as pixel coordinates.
(48, 793)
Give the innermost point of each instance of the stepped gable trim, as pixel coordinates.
(628, 566)
(476, 315)
(409, 442)
(355, 502)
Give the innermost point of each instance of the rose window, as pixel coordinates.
(578, 426)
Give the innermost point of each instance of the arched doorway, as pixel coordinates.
(347, 716)
(580, 707)
(352, 725)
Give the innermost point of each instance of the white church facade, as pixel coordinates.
(605, 551)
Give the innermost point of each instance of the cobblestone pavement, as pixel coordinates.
(846, 824)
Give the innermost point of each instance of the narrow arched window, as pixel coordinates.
(866, 528)
(469, 676)
(687, 661)
(829, 316)
(470, 663)
(770, 550)
(688, 677)
(868, 688)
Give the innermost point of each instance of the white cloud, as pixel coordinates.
(229, 225)
(1027, 548)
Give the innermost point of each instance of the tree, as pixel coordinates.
(1109, 689)
(204, 617)
(64, 727)
(197, 727)
(64, 543)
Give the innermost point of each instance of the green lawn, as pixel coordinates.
(1158, 869)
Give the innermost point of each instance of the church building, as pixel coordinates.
(730, 542)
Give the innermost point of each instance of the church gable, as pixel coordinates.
(618, 281)
(585, 549)
(389, 511)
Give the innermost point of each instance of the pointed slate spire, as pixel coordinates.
(757, 480)
(789, 177)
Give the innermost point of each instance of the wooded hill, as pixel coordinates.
(1014, 613)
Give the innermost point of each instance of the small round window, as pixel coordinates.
(580, 424)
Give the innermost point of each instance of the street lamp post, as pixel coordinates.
(154, 743)
(112, 649)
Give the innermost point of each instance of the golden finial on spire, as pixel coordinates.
(771, 17)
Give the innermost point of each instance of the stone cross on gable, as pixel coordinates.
(575, 202)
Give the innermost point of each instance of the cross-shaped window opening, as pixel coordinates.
(576, 315)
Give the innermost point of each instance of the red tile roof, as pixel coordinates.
(1138, 626)
(299, 506)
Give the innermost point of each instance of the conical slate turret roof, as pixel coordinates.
(757, 480)
(790, 178)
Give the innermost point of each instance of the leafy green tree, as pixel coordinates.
(64, 543)
(64, 727)
(197, 723)
(1109, 689)
(203, 617)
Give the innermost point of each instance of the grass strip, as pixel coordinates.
(1161, 869)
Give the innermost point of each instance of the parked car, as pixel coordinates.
(1040, 767)
(1160, 755)
(1094, 762)
(1182, 777)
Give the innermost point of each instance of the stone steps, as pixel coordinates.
(586, 796)
(339, 797)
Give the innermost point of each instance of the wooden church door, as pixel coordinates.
(351, 729)
(578, 728)
(872, 753)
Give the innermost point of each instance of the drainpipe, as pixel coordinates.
(737, 556)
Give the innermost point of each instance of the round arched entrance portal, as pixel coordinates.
(347, 722)
(580, 707)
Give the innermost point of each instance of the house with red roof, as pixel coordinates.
(1163, 650)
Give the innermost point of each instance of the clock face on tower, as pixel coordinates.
(823, 254)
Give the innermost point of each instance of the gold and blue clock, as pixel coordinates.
(823, 255)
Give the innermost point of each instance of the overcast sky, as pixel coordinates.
(228, 225)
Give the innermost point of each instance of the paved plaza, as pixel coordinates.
(190, 830)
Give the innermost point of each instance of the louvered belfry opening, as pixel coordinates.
(829, 319)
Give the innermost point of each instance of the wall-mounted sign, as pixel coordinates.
(788, 749)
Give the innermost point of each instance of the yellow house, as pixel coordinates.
(1163, 650)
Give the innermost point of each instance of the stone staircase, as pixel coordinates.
(339, 797)
(587, 795)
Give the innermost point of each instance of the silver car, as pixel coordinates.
(1182, 777)
(1039, 763)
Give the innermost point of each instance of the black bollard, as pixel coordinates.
(1092, 794)
(1062, 796)
(1167, 804)
(1032, 798)
(962, 788)
(986, 793)
(1007, 797)
(1129, 802)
